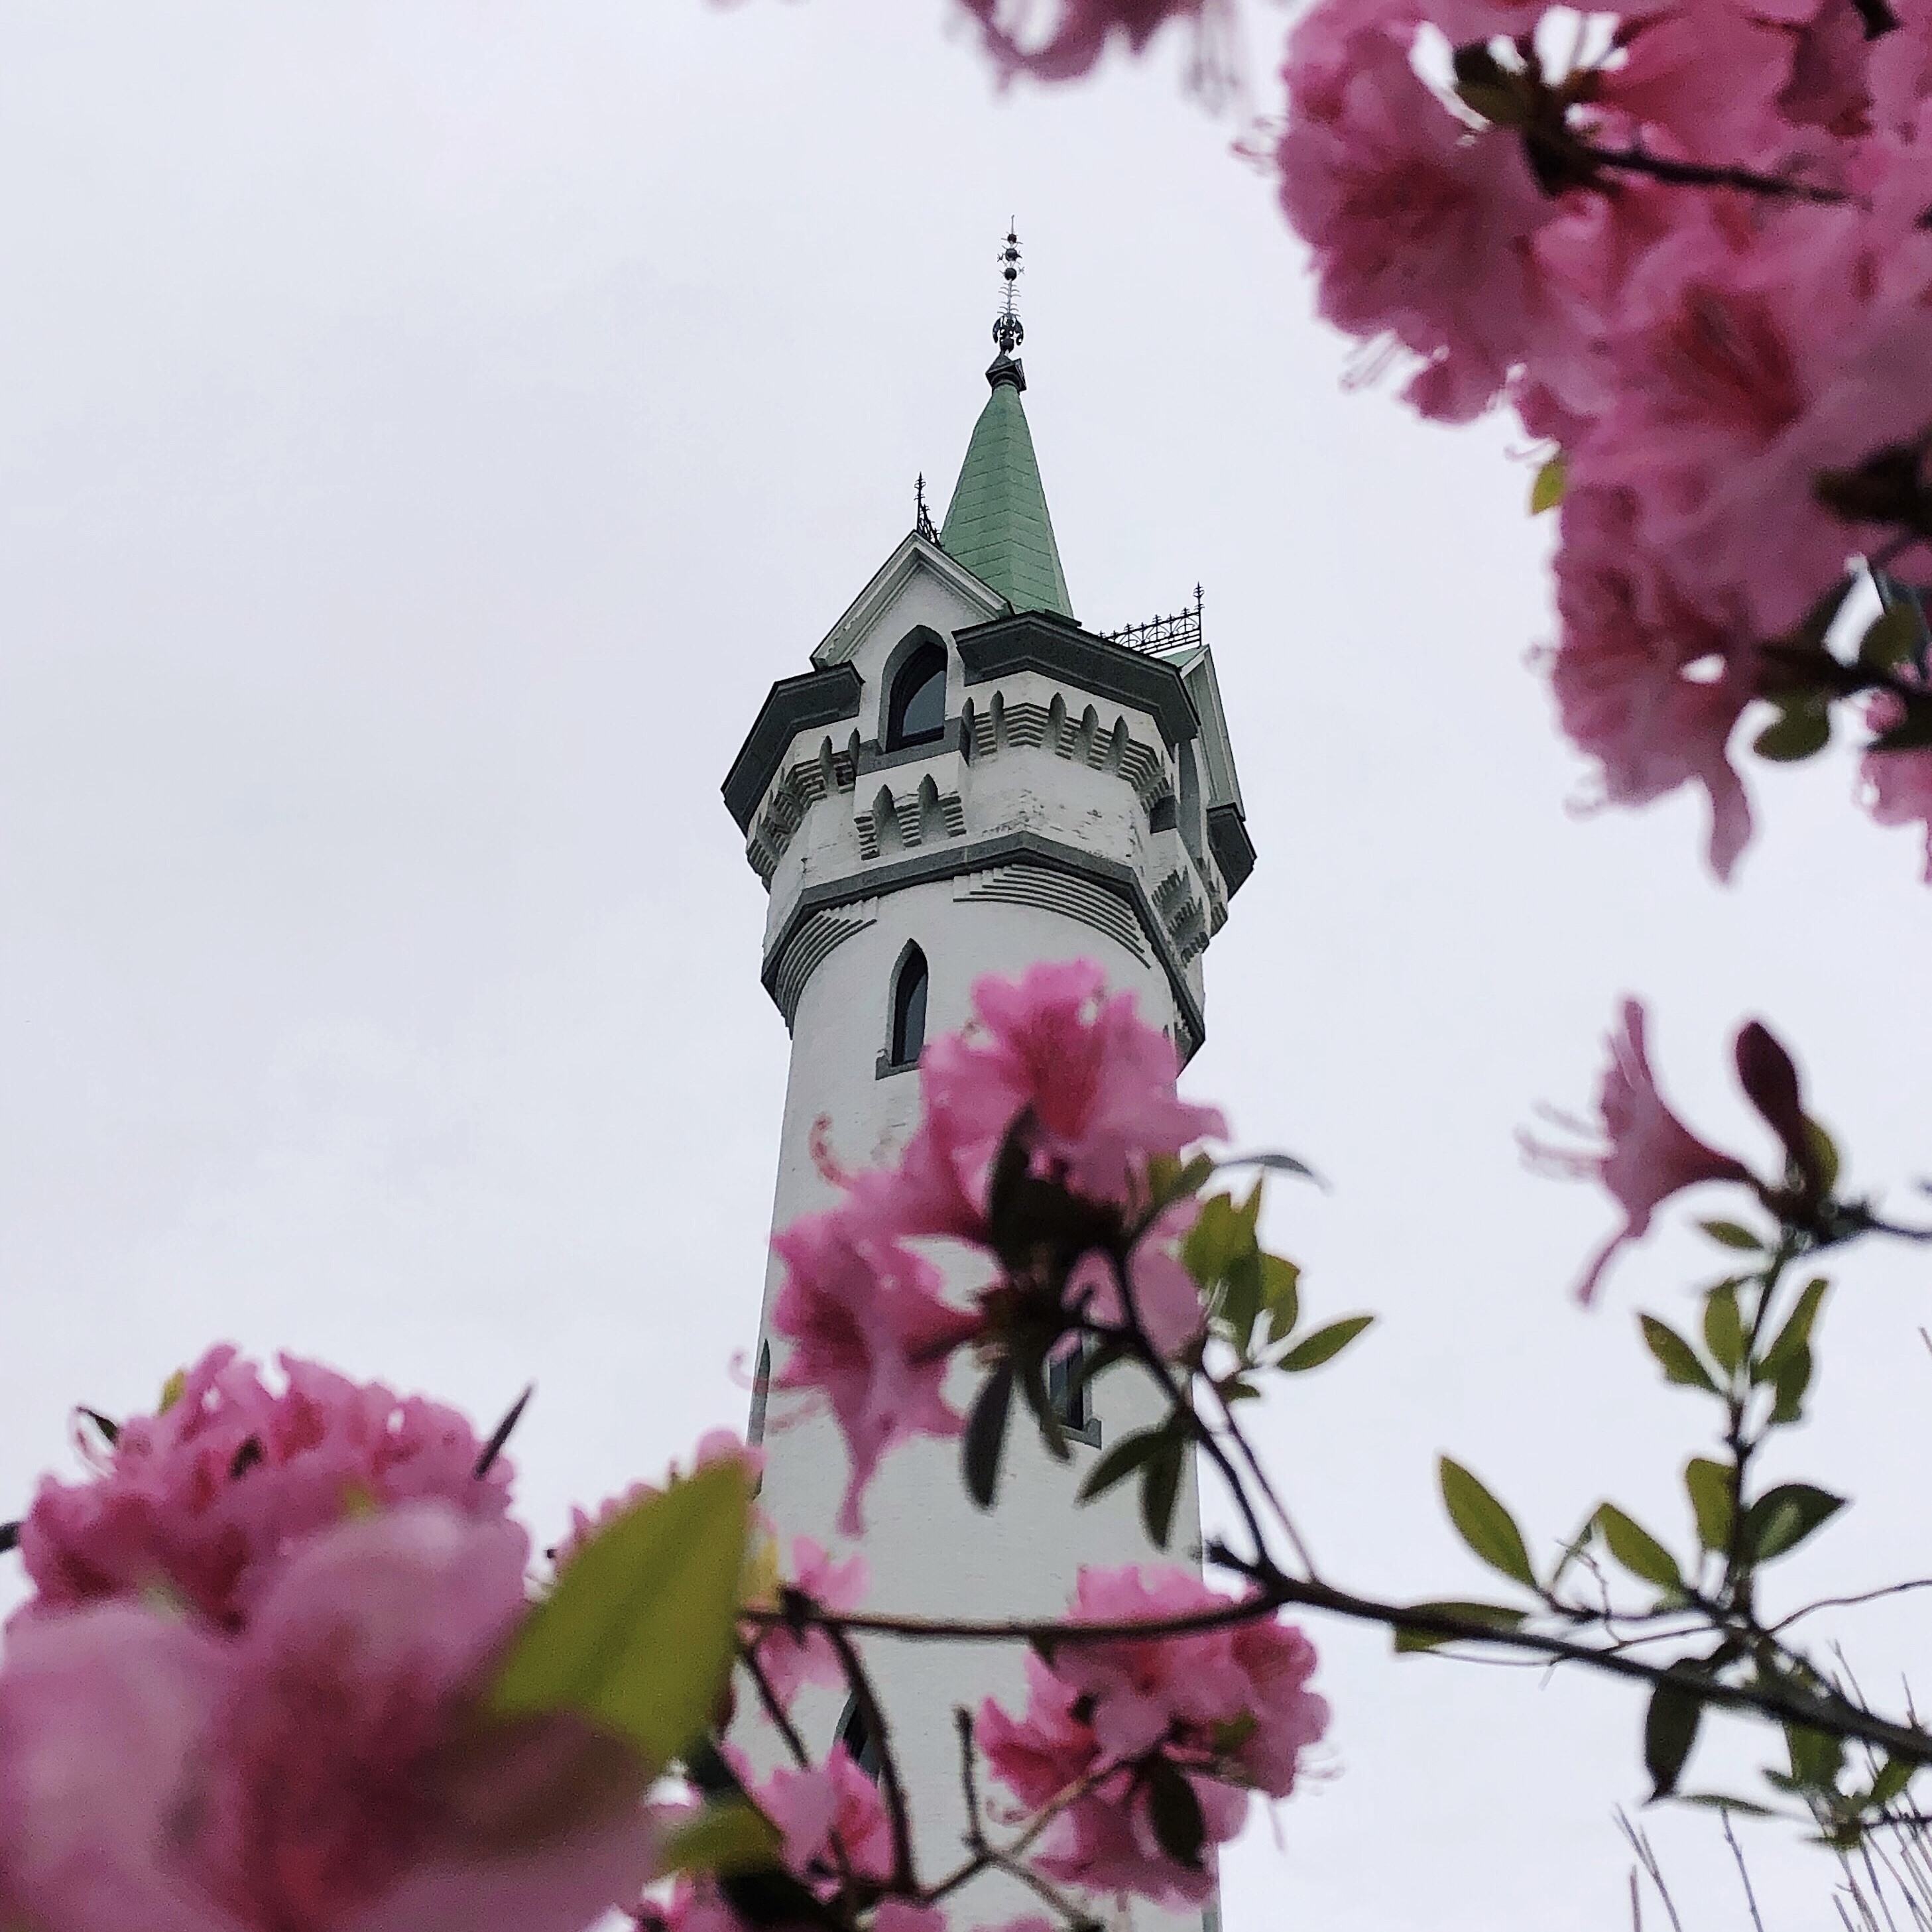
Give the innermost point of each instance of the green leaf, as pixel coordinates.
(1781, 1519)
(1323, 1346)
(1670, 1730)
(1728, 1234)
(1802, 731)
(1796, 1333)
(1174, 1812)
(1637, 1550)
(1160, 1490)
(1031, 1371)
(1676, 1356)
(1722, 1801)
(1724, 1328)
(1894, 1776)
(1793, 1378)
(1483, 1524)
(1494, 1615)
(1281, 1296)
(1709, 1484)
(1817, 1757)
(1824, 1152)
(1120, 1462)
(1891, 638)
(1546, 493)
(732, 1837)
(1218, 1238)
(638, 1635)
(1170, 1179)
(985, 1440)
(1241, 1300)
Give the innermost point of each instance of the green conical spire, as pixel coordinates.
(997, 524)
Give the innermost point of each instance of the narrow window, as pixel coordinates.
(916, 715)
(909, 1009)
(1069, 1398)
(856, 1735)
(761, 1390)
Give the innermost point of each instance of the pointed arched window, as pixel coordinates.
(856, 1735)
(916, 713)
(909, 986)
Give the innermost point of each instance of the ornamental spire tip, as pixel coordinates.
(1008, 330)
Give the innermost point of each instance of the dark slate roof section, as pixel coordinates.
(1035, 640)
(1234, 850)
(794, 704)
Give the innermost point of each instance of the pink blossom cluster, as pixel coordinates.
(1646, 1155)
(204, 1500)
(836, 1836)
(1707, 358)
(248, 1696)
(1072, 1080)
(1078, 33)
(1226, 1709)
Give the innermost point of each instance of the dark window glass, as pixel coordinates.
(856, 1735)
(909, 1009)
(917, 713)
(1069, 1403)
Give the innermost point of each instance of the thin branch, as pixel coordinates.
(1743, 1871)
(1699, 174)
(904, 1878)
(1851, 1602)
(1781, 1703)
(747, 1655)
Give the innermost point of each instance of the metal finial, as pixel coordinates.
(922, 518)
(1008, 330)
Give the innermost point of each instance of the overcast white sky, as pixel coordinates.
(426, 428)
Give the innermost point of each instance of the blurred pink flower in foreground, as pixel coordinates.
(1080, 31)
(328, 1767)
(205, 1500)
(790, 1661)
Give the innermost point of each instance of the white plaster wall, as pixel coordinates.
(931, 1551)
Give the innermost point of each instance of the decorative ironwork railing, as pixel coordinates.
(1163, 634)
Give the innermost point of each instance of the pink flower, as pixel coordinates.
(790, 1661)
(1898, 784)
(1166, 1298)
(326, 1768)
(1099, 1083)
(1228, 1707)
(1080, 33)
(1643, 683)
(1420, 230)
(206, 1499)
(832, 1808)
(869, 1329)
(1649, 1154)
(1106, 1842)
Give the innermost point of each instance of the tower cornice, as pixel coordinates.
(1037, 640)
(981, 855)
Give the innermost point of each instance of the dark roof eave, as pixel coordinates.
(792, 705)
(1234, 850)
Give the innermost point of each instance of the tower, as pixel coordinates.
(967, 781)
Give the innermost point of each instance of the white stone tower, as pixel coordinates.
(968, 781)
